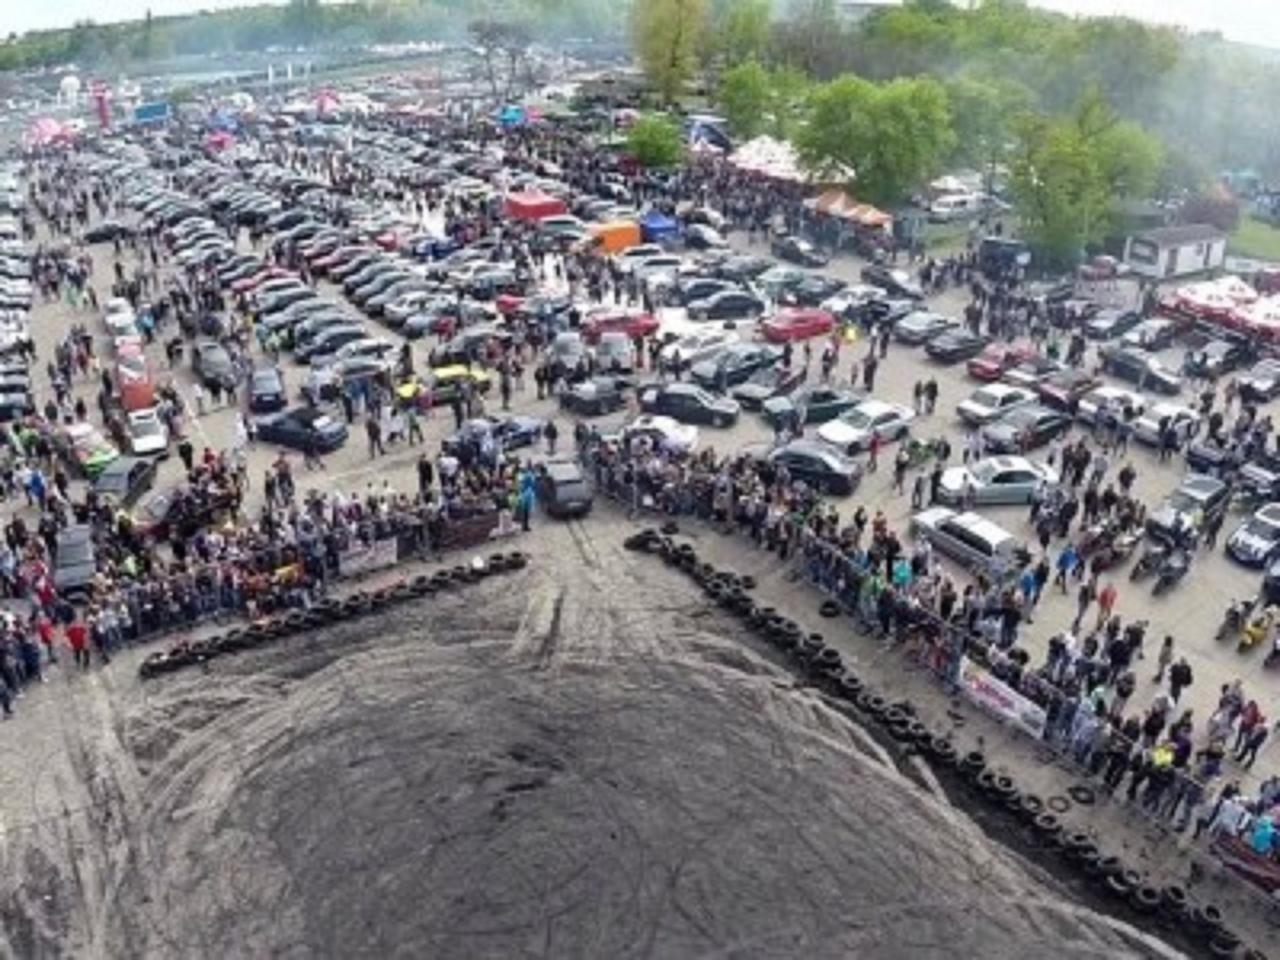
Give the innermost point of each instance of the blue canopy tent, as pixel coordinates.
(657, 227)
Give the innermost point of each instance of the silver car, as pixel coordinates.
(995, 480)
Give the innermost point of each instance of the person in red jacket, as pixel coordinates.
(78, 640)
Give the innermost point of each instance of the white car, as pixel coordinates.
(987, 404)
(148, 435)
(995, 480)
(852, 296)
(120, 318)
(851, 432)
(664, 432)
(1121, 402)
(697, 346)
(662, 264)
(370, 348)
(1182, 419)
(627, 259)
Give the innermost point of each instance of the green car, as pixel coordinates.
(810, 405)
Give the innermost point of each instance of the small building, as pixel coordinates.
(1176, 251)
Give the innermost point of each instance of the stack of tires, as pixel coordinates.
(329, 611)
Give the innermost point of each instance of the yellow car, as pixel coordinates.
(444, 383)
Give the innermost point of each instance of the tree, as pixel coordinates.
(892, 137)
(744, 98)
(1067, 176)
(1213, 206)
(811, 38)
(982, 113)
(655, 141)
(667, 35)
(741, 30)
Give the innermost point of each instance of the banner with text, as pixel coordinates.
(999, 699)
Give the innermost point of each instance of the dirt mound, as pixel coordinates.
(572, 762)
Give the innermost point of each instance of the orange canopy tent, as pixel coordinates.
(837, 203)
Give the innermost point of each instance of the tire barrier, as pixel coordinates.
(358, 604)
(823, 664)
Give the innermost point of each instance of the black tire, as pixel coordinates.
(1146, 899)
(829, 609)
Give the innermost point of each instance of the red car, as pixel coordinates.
(798, 323)
(338, 257)
(508, 304)
(262, 276)
(996, 358)
(632, 323)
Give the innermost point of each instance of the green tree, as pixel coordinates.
(1068, 175)
(892, 136)
(740, 30)
(667, 35)
(744, 97)
(655, 141)
(982, 113)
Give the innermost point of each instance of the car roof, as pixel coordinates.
(1201, 484)
(871, 406)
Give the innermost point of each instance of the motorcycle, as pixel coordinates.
(1116, 552)
(1236, 616)
(1257, 629)
(1151, 560)
(1172, 569)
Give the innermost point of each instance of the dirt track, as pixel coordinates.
(576, 761)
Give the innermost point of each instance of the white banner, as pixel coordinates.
(999, 699)
(365, 558)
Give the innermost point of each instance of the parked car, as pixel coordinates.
(1211, 458)
(148, 436)
(916, 328)
(563, 490)
(996, 480)
(815, 290)
(996, 359)
(1181, 419)
(811, 405)
(1140, 368)
(989, 403)
(952, 346)
(505, 432)
(75, 562)
(1031, 372)
(818, 465)
(734, 364)
(897, 283)
(594, 397)
(851, 432)
(1024, 428)
(266, 390)
(1154, 334)
(1256, 542)
(1108, 401)
(1066, 388)
(689, 403)
(212, 364)
(1261, 382)
(1106, 324)
(124, 480)
(765, 383)
(797, 323)
(631, 323)
(972, 540)
(1185, 511)
(302, 427)
(84, 447)
(1218, 357)
(795, 249)
(727, 305)
(663, 433)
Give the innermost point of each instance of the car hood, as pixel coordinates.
(1246, 543)
(972, 410)
(954, 479)
(74, 575)
(754, 391)
(777, 405)
(841, 432)
(1258, 476)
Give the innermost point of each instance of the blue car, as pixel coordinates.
(509, 433)
(435, 248)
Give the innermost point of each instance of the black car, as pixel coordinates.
(694, 289)
(897, 283)
(124, 480)
(820, 466)
(743, 267)
(107, 230)
(1106, 324)
(15, 405)
(1198, 499)
(797, 250)
(765, 384)
(1025, 428)
(508, 433)
(1261, 382)
(468, 345)
(1207, 457)
(727, 305)
(563, 489)
(734, 365)
(266, 390)
(75, 562)
(302, 428)
(688, 403)
(212, 364)
(1217, 357)
(595, 397)
(1140, 368)
(952, 346)
(284, 299)
(813, 290)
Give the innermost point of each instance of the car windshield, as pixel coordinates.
(986, 398)
(146, 428)
(857, 417)
(323, 423)
(572, 490)
(1183, 502)
(74, 552)
(1263, 527)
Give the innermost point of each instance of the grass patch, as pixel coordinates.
(1255, 239)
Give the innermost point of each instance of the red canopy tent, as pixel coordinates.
(533, 205)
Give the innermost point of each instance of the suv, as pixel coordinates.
(973, 540)
(563, 489)
(1198, 498)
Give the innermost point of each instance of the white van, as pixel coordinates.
(955, 206)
